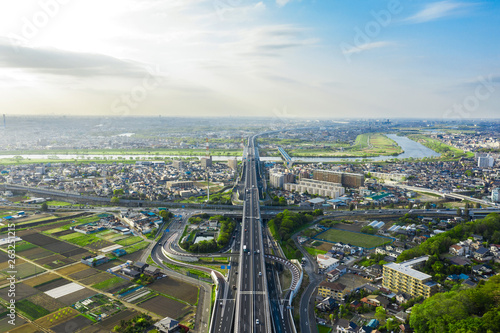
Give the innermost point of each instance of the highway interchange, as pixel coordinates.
(249, 299)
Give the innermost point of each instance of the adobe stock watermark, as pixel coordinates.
(364, 38)
(32, 25)
(281, 117)
(125, 103)
(223, 6)
(482, 92)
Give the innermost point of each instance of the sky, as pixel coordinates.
(276, 58)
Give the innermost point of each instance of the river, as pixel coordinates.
(411, 149)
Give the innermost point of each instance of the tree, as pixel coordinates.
(459, 212)
(115, 200)
(380, 314)
(351, 206)
(44, 207)
(118, 191)
(427, 205)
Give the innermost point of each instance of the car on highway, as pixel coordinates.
(256, 321)
(260, 273)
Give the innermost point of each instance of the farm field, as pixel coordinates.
(45, 301)
(177, 289)
(31, 310)
(54, 261)
(352, 238)
(6, 327)
(41, 279)
(22, 291)
(25, 270)
(76, 296)
(36, 253)
(75, 323)
(109, 283)
(52, 284)
(129, 240)
(108, 323)
(166, 307)
(26, 328)
(314, 251)
(98, 278)
(57, 317)
(84, 273)
(72, 269)
(137, 247)
(23, 246)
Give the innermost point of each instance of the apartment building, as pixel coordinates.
(335, 290)
(324, 189)
(345, 178)
(404, 277)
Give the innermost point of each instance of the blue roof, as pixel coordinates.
(463, 276)
(373, 323)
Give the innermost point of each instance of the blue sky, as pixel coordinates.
(296, 58)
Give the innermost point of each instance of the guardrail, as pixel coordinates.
(216, 282)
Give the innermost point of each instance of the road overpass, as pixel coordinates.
(286, 157)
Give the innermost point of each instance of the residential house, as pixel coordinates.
(326, 263)
(167, 325)
(375, 300)
(332, 289)
(482, 254)
(456, 250)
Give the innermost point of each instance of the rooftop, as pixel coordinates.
(406, 268)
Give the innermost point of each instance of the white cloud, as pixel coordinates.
(436, 10)
(282, 3)
(366, 47)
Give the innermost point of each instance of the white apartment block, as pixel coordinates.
(388, 176)
(311, 186)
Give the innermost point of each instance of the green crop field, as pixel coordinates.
(353, 238)
(82, 240)
(314, 252)
(324, 329)
(108, 283)
(129, 240)
(137, 247)
(24, 246)
(31, 310)
(58, 203)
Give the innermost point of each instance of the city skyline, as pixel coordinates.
(290, 59)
